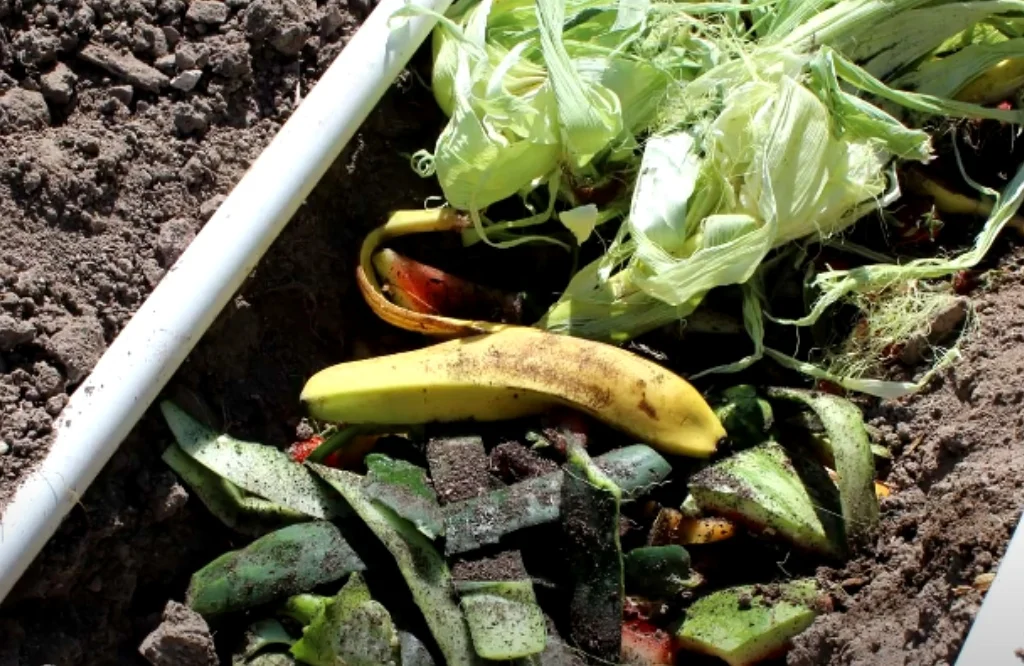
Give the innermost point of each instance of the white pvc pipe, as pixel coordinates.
(149, 350)
(998, 630)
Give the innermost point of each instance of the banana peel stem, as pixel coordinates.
(954, 203)
(404, 223)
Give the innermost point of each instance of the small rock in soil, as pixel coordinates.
(190, 120)
(210, 206)
(175, 235)
(262, 16)
(187, 80)
(291, 38)
(209, 12)
(232, 61)
(166, 64)
(36, 47)
(169, 497)
(77, 347)
(59, 85)
(23, 109)
(279, 21)
(191, 56)
(48, 379)
(182, 639)
(124, 66)
(55, 404)
(14, 332)
(122, 94)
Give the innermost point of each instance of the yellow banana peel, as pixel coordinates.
(518, 371)
(996, 84)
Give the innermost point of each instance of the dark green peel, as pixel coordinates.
(403, 488)
(484, 520)
(291, 560)
(847, 443)
(590, 522)
(657, 572)
(255, 468)
(423, 568)
(246, 514)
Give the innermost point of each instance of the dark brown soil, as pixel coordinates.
(123, 123)
(98, 196)
(958, 486)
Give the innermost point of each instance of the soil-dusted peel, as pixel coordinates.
(256, 468)
(403, 223)
(259, 636)
(590, 523)
(747, 417)
(744, 625)
(351, 629)
(289, 561)
(247, 514)
(657, 572)
(516, 372)
(503, 617)
(403, 488)
(423, 568)
(761, 488)
(484, 520)
(850, 448)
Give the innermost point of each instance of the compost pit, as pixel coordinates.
(122, 127)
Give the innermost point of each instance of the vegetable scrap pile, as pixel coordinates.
(541, 532)
(525, 491)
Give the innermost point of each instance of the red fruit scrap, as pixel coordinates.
(428, 290)
(825, 386)
(964, 282)
(644, 644)
(299, 451)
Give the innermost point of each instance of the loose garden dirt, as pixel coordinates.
(122, 126)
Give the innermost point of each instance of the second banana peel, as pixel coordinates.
(515, 372)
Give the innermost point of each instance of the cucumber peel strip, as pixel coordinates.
(256, 468)
(742, 627)
(244, 513)
(352, 629)
(848, 445)
(424, 570)
(760, 487)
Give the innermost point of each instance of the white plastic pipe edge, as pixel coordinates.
(160, 335)
(998, 632)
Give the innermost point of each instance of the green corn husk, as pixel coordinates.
(255, 468)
